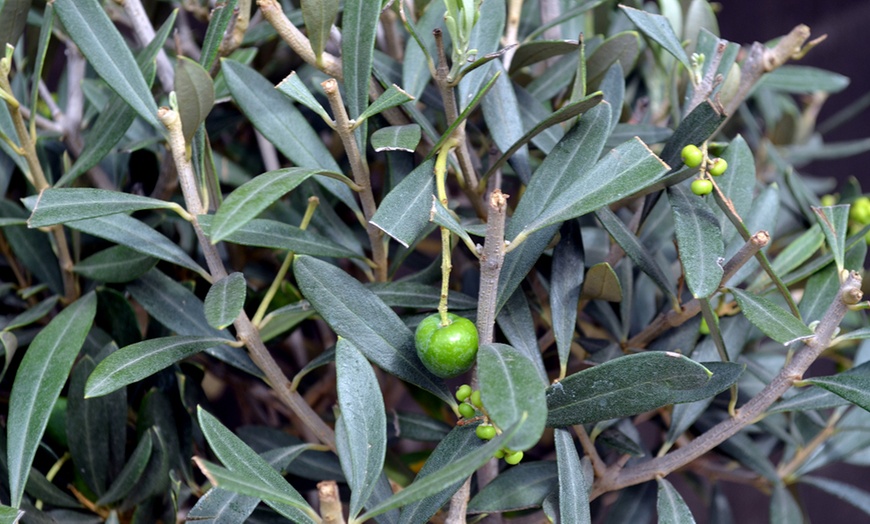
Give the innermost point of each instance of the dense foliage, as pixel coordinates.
(222, 224)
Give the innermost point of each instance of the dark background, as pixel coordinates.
(846, 51)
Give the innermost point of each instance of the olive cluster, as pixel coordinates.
(694, 157)
(469, 405)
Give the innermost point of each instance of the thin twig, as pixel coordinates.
(360, 170)
(672, 319)
(490, 265)
(512, 27)
(848, 295)
(598, 465)
(247, 333)
(330, 504)
(141, 25)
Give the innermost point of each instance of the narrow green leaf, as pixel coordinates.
(32, 249)
(484, 38)
(625, 386)
(858, 334)
(58, 206)
(453, 448)
(416, 426)
(853, 385)
(808, 399)
(502, 115)
(418, 60)
(535, 51)
(356, 314)
(637, 252)
(295, 88)
(218, 505)
(214, 35)
(97, 38)
(845, 492)
(115, 265)
(566, 16)
(319, 16)
(31, 315)
(45, 34)
(835, 223)
(13, 20)
(739, 185)
(601, 283)
(671, 507)
(455, 471)
(566, 112)
(622, 47)
(361, 429)
(772, 320)
(278, 235)
(404, 212)
(359, 23)
(137, 361)
(573, 485)
(38, 382)
(803, 80)
(783, 507)
(392, 97)
(8, 345)
(511, 387)
(248, 467)
(463, 116)
(520, 487)
(659, 30)
(419, 296)
(88, 442)
(117, 116)
(625, 170)
(132, 472)
(279, 121)
(396, 138)
(516, 323)
(177, 308)
(194, 90)
(699, 241)
(225, 300)
(252, 198)
(10, 515)
(281, 497)
(793, 256)
(566, 277)
(138, 236)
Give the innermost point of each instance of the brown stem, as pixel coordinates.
(360, 170)
(672, 319)
(245, 330)
(849, 294)
(490, 265)
(330, 504)
(141, 25)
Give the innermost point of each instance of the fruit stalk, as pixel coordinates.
(446, 265)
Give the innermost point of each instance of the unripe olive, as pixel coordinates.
(463, 392)
(514, 458)
(718, 168)
(499, 454)
(702, 187)
(475, 399)
(466, 410)
(446, 351)
(485, 432)
(692, 156)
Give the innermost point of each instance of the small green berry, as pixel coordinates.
(463, 392)
(718, 168)
(485, 432)
(702, 187)
(514, 458)
(499, 454)
(704, 329)
(692, 156)
(859, 211)
(447, 351)
(828, 200)
(475, 399)
(466, 411)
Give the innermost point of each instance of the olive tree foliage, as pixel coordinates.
(222, 222)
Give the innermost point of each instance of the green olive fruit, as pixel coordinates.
(692, 156)
(463, 392)
(447, 351)
(514, 458)
(718, 167)
(485, 432)
(828, 200)
(702, 187)
(498, 454)
(466, 410)
(475, 399)
(859, 211)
